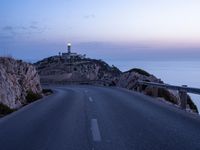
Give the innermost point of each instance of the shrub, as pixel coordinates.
(47, 91)
(4, 110)
(166, 95)
(75, 69)
(31, 96)
(140, 71)
(112, 83)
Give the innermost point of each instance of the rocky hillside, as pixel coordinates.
(129, 80)
(18, 81)
(58, 70)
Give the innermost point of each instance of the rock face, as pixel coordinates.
(130, 80)
(17, 78)
(58, 70)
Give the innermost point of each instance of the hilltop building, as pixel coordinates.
(70, 55)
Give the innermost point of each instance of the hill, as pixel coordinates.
(58, 69)
(81, 70)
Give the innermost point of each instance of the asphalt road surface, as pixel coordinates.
(99, 118)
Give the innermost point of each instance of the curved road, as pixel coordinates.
(99, 118)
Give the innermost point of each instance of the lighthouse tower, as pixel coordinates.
(70, 55)
(69, 47)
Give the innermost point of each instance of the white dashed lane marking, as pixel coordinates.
(90, 99)
(95, 130)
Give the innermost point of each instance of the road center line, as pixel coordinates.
(90, 99)
(95, 130)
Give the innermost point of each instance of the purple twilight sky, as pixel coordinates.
(110, 30)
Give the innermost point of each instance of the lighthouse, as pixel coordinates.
(69, 47)
(71, 56)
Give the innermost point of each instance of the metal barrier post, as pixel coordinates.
(138, 88)
(183, 98)
(155, 91)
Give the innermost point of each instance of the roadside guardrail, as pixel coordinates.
(183, 90)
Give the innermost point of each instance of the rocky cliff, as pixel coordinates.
(17, 81)
(58, 70)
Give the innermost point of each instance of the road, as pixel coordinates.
(99, 118)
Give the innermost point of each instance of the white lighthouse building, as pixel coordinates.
(69, 47)
(70, 55)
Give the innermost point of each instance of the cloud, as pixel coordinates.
(14, 28)
(5, 37)
(34, 22)
(21, 28)
(33, 28)
(90, 16)
(7, 28)
(114, 45)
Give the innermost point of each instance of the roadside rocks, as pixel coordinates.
(17, 79)
(129, 80)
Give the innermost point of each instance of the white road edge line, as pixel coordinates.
(90, 99)
(95, 130)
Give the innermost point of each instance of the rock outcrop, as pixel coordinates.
(59, 70)
(129, 80)
(17, 80)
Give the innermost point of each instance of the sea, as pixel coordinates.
(171, 72)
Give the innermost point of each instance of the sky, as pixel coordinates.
(104, 29)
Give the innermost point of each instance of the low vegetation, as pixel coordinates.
(4, 110)
(31, 96)
(47, 91)
(166, 95)
(172, 99)
(139, 71)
